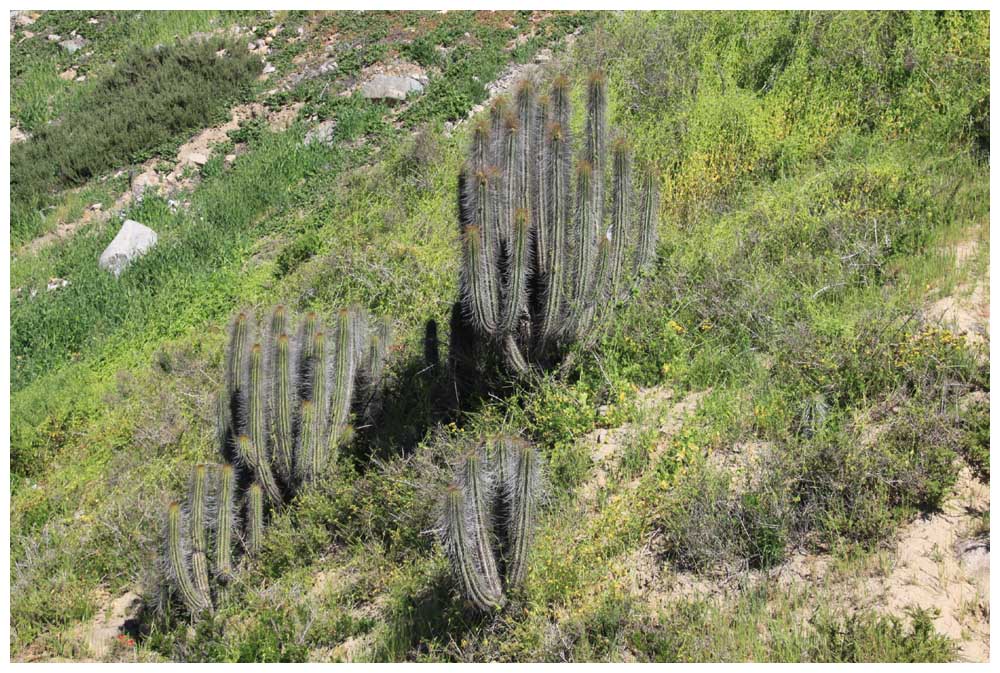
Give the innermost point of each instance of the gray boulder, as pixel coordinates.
(133, 241)
(74, 45)
(390, 87)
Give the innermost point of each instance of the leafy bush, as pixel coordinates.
(974, 445)
(151, 99)
(846, 485)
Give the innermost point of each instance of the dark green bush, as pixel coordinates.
(150, 100)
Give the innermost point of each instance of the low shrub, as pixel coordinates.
(151, 99)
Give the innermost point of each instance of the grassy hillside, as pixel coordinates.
(818, 170)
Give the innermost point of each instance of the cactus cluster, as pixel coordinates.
(284, 413)
(544, 246)
(488, 517)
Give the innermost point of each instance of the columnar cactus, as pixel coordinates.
(542, 252)
(284, 413)
(488, 516)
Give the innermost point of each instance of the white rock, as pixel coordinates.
(81, 78)
(268, 68)
(17, 135)
(56, 283)
(197, 158)
(93, 21)
(67, 75)
(230, 158)
(323, 133)
(53, 38)
(390, 87)
(74, 45)
(133, 241)
(22, 18)
(96, 206)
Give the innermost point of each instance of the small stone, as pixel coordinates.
(93, 21)
(17, 135)
(543, 56)
(53, 38)
(56, 283)
(81, 78)
(198, 159)
(27, 34)
(268, 40)
(230, 158)
(96, 206)
(67, 75)
(323, 133)
(74, 45)
(274, 31)
(220, 53)
(251, 46)
(268, 68)
(22, 18)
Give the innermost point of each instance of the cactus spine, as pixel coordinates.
(535, 272)
(500, 488)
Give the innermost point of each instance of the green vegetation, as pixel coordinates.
(152, 97)
(815, 170)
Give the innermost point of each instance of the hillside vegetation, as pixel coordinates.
(779, 387)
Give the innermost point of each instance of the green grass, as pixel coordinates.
(153, 97)
(772, 289)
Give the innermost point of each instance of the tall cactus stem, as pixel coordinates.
(306, 449)
(177, 563)
(460, 550)
(255, 518)
(236, 359)
(552, 319)
(477, 281)
(648, 207)
(518, 268)
(479, 504)
(621, 188)
(523, 496)
(282, 394)
(225, 523)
